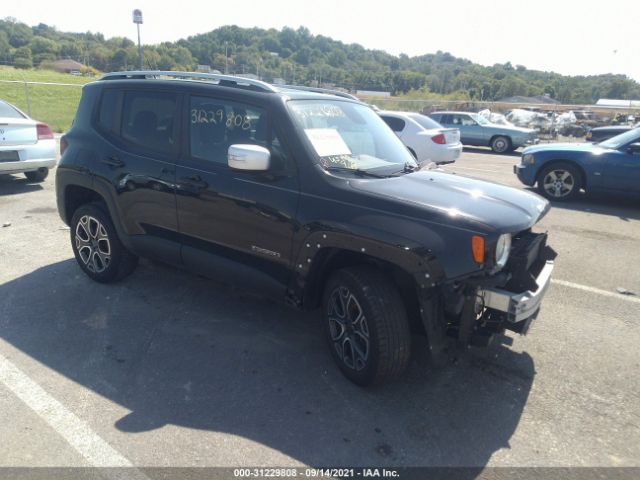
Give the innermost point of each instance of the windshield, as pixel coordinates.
(619, 140)
(350, 135)
(424, 121)
(480, 119)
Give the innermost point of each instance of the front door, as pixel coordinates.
(235, 225)
(621, 170)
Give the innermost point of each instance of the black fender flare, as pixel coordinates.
(317, 248)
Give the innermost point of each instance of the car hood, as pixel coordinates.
(462, 201)
(562, 147)
(507, 128)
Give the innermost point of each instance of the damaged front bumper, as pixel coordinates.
(519, 309)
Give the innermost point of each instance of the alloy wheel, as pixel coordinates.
(92, 244)
(348, 328)
(558, 183)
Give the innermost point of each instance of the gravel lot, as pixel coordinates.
(170, 369)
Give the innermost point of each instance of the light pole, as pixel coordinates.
(137, 19)
(226, 59)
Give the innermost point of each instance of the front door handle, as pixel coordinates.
(113, 162)
(194, 181)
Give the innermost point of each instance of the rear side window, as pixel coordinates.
(396, 124)
(149, 119)
(7, 111)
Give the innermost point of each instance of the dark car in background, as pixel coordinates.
(600, 134)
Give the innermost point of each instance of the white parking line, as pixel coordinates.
(577, 286)
(76, 432)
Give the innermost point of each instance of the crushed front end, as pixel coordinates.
(474, 310)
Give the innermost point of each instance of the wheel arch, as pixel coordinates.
(77, 195)
(331, 259)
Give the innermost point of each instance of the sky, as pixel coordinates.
(566, 36)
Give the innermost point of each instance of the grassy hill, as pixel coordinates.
(53, 104)
(299, 56)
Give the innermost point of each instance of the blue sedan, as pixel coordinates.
(562, 170)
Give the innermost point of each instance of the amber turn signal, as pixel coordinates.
(477, 248)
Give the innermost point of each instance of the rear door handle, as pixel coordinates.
(113, 161)
(194, 181)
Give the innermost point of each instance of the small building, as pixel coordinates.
(67, 66)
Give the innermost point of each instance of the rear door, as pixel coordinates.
(137, 162)
(235, 225)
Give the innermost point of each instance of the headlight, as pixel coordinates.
(503, 248)
(527, 159)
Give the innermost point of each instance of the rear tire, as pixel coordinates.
(96, 245)
(37, 175)
(501, 144)
(366, 325)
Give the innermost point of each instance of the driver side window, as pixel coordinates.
(215, 125)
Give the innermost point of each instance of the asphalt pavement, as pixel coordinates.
(170, 369)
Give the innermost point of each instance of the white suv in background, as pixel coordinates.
(427, 140)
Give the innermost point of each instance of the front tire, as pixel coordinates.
(96, 245)
(37, 176)
(501, 144)
(561, 181)
(366, 325)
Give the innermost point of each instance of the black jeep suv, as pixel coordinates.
(306, 196)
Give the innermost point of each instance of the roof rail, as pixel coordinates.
(223, 80)
(327, 91)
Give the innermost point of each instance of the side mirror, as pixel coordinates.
(634, 148)
(249, 157)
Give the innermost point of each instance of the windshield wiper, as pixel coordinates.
(408, 168)
(355, 171)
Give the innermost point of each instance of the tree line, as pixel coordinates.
(297, 56)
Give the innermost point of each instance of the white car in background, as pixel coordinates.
(427, 140)
(26, 145)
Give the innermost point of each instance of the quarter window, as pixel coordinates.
(107, 114)
(396, 124)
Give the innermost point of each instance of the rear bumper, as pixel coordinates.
(31, 157)
(519, 307)
(449, 154)
(26, 165)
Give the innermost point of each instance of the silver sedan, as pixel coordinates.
(26, 145)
